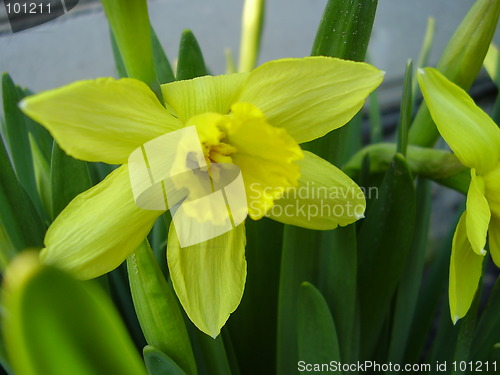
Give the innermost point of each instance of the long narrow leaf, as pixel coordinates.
(317, 335)
(158, 310)
(158, 363)
(68, 178)
(344, 31)
(162, 64)
(19, 218)
(191, 63)
(384, 242)
(18, 138)
(487, 333)
(407, 295)
(253, 330)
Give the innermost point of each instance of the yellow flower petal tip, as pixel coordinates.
(456, 318)
(482, 252)
(360, 216)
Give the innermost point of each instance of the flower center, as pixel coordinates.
(265, 154)
(210, 128)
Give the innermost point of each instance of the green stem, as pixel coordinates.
(158, 310)
(251, 34)
(131, 28)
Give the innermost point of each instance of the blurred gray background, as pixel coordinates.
(76, 45)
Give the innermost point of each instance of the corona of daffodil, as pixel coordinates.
(475, 140)
(254, 120)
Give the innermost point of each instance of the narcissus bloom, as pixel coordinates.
(255, 120)
(475, 140)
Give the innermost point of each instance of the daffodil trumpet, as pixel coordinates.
(254, 120)
(475, 139)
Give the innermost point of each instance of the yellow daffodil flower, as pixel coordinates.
(475, 140)
(255, 120)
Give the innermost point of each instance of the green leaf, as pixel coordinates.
(253, 330)
(157, 309)
(3, 129)
(375, 118)
(406, 110)
(466, 332)
(68, 178)
(425, 50)
(298, 262)
(487, 332)
(328, 260)
(492, 64)
(432, 292)
(57, 325)
(445, 340)
(7, 250)
(317, 336)
(336, 279)
(214, 354)
(18, 216)
(344, 32)
(41, 135)
(158, 240)
(119, 288)
(408, 289)
(495, 354)
(345, 29)
(41, 165)
(162, 64)
(120, 66)
(231, 354)
(158, 363)
(17, 137)
(460, 62)
(191, 63)
(384, 241)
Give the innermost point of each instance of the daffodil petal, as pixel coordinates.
(312, 96)
(492, 190)
(98, 229)
(465, 272)
(101, 120)
(203, 94)
(266, 155)
(324, 198)
(478, 214)
(470, 132)
(209, 277)
(494, 240)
